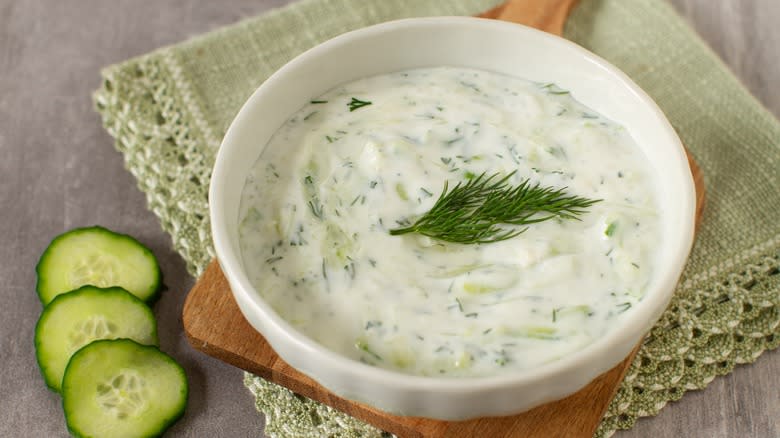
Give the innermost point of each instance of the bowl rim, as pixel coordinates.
(250, 301)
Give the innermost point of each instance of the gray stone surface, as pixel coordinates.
(58, 170)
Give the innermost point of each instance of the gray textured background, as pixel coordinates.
(58, 170)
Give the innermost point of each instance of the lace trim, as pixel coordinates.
(288, 414)
(705, 332)
(143, 107)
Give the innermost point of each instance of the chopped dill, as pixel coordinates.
(316, 208)
(356, 104)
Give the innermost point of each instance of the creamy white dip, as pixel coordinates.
(340, 173)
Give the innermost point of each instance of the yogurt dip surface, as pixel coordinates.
(374, 154)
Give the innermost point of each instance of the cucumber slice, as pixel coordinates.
(120, 388)
(100, 257)
(74, 319)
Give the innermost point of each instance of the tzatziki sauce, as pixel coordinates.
(374, 154)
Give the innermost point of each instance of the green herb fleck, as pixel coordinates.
(502, 358)
(373, 323)
(316, 208)
(316, 102)
(554, 89)
(470, 85)
(350, 268)
(356, 104)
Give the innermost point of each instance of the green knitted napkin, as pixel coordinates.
(168, 111)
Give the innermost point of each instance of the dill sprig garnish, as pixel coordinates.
(479, 210)
(357, 104)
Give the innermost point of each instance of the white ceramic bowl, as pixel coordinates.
(489, 45)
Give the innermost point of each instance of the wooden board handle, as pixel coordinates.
(547, 15)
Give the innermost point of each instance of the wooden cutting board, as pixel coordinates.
(214, 325)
